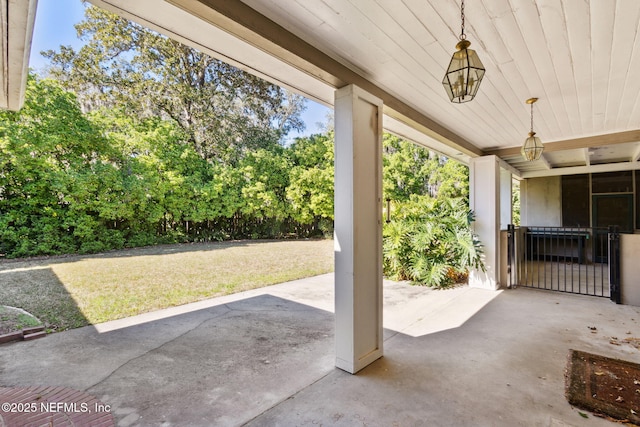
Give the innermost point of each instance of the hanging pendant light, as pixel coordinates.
(465, 70)
(532, 148)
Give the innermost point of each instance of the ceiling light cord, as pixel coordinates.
(462, 36)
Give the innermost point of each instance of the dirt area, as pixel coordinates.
(605, 386)
(12, 320)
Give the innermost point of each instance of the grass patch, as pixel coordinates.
(69, 292)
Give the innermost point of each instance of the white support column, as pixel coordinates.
(506, 210)
(358, 228)
(484, 200)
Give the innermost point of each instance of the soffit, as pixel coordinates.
(16, 29)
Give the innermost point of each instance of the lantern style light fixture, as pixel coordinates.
(532, 148)
(465, 71)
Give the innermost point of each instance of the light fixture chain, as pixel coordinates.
(532, 117)
(462, 36)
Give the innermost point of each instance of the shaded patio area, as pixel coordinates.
(585, 279)
(463, 357)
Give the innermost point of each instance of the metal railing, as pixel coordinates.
(562, 259)
(614, 264)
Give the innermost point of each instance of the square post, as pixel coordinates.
(358, 228)
(484, 200)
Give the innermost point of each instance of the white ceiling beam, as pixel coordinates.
(587, 157)
(636, 156)
(558, 46)
(545, 162)
(535, 32)
(611, 167)
(506, 166)
(572, 144)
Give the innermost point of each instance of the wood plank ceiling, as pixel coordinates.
(579, 57)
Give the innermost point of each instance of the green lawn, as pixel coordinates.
(69, 292)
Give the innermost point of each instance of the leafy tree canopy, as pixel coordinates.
(47, 150)
(413, 170)
(223, 111)
(88, 182)
(310, 191)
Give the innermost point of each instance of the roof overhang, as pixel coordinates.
(17, 18)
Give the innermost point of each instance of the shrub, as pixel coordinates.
(429, 242)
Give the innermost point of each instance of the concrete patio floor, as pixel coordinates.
(461, 357)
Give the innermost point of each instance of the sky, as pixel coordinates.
(55, 20)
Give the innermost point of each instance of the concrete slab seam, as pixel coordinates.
(297, 392)
(151, 350)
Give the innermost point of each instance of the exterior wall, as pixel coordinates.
(630, 269)
(541, 202)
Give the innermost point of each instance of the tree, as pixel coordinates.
(428, 240)
(405, 168)
(515, 202)
(48, 150)
(223, 111)
(413, 170)
(310, 191)
(157, 177)
(448, 178)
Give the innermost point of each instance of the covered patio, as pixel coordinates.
(380, 64)
(463, 357)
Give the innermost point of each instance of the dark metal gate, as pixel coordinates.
(579, 260)
(614, 264)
